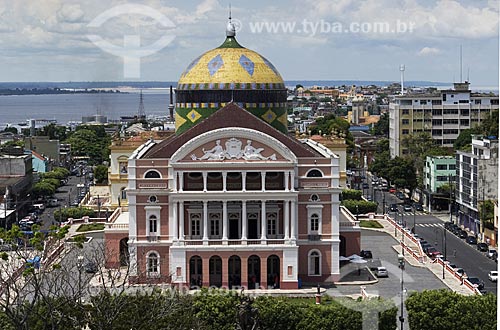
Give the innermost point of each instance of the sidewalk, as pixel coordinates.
(450, 280)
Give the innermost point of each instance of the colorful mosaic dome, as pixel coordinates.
(230, 73)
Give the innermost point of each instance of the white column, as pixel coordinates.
(244, 181)
(224, 181)
(286, 218)
(244, 220)
(263, 221)
(205, 174)
(205, 222)
(263, 180)
(181, 181)
(224, 221)
(293, 220)
(292, 180)
(175, 221)
(287, 180)
(181, 221)
(174, 179)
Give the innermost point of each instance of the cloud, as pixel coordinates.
(428, 51)
(70, 14)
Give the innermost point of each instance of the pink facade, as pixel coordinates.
(234, 202)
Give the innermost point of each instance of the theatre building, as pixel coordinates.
(232, 199)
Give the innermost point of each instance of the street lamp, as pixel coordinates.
(357, 213)
(414, 221)
(401, 260)
(383, 203)
(79, 265)
(444, 247)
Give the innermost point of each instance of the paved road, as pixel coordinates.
(65, 195)
(474, 262)
(415, 278)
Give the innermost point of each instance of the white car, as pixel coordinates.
(491, 252)
(381, 272)
(493, 275)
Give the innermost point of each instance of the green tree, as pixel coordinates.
(54, 132)
(351, 194)
(41, 189)
(444, 309)
(11, 129)
(101, 174)
(360, 207)
(92, 142)
(381, 128)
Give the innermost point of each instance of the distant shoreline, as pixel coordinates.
(51, 91)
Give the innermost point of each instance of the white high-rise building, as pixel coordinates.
(443, 114)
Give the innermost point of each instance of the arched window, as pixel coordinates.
(152, 174)
(314, 222)
(152, 199)
(314, 174)
(153, 264)
(153, 224)
(314, 261)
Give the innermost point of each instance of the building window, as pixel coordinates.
(153, 265)
(152, 199)
(314, 261)
(314, 222)
(405, 121)
(153, 224)
(406, 111)
(152, 174)
(314, 198)
(123, 193)
(196, 225)
(214, 225)
(123, 168)
(442, 167)
(406, 132)
(272, 225)
(314, 174)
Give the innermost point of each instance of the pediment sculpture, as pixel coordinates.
(233, 150)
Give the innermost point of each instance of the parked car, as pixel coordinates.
(418, 207)
(407, 208)
(53, 202)
(493, 275)
(483, 247)
(367, 254)
(365, 185)
(471, 240)
(452, 266)
(432, 252)
(392, 190)
(348, 172)
(400, 195)
(476, 282)
(463, 234)
(491, 252)
(393, 208)
(90, 267)
(381, 272)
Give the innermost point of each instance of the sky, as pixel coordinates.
(95, 40)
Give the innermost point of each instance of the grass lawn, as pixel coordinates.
(370, 224)
(90, 226)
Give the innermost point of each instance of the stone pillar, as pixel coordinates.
(224, 181)
(176, 223)
(181, 221)
(244, 272)
(263, 272)
(206, 272)
(293, 220)
(205, 223)
(244, 221)
(225, 275)
(244, 181)
(205, 174)
(263, 180)
(286, 218)
(263, 222)
(181, 181)
(292, 180)
(287, 180)
(224, 222)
